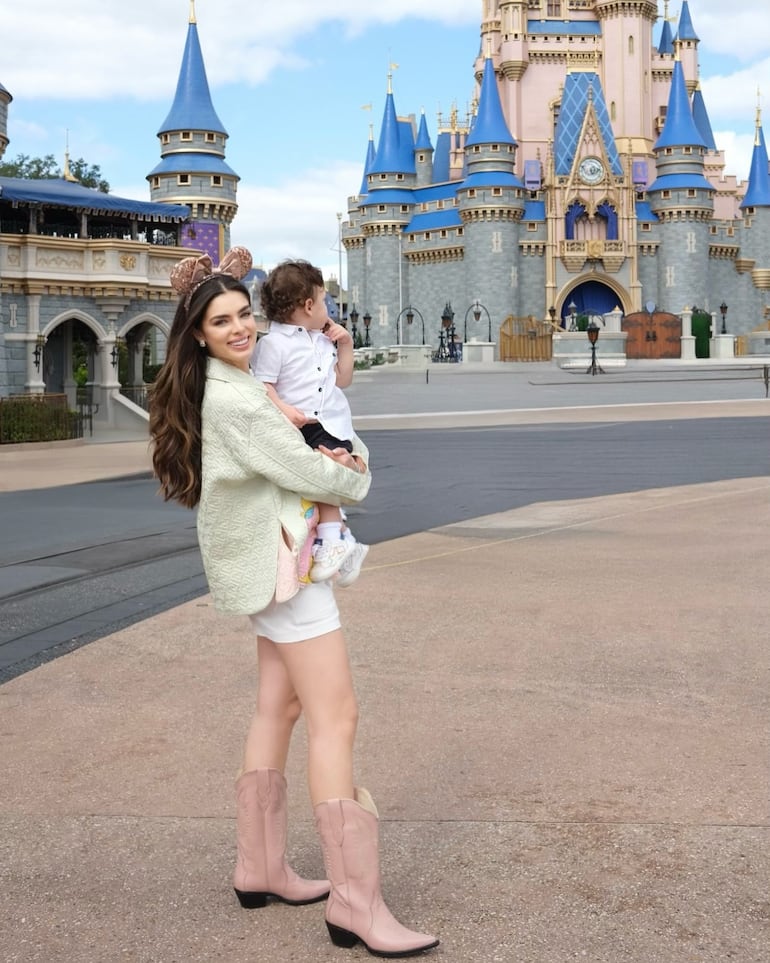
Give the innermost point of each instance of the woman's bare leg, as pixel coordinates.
(277, 710)
(319, 673)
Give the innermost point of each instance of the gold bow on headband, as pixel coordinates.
(188, 275)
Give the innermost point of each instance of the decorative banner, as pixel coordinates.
(639, 172)
(532, 175)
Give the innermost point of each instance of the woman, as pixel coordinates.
(220, 443)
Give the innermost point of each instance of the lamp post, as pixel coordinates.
(367, 322)
(115, 353)
(37, 354)
(572, 308)
(723, 309)
(552, 315)
(447, 334)
(477, 308)
(593, 336)
(410, 312)
(354, 324)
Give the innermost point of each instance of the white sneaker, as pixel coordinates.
(328, 556)
(351, 567)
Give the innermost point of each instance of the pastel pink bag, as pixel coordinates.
(293, 566)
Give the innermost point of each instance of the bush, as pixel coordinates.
(37, 418)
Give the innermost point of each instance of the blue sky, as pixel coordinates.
(289, 80)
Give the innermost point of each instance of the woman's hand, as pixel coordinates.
(343, 457)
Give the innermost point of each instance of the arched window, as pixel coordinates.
(630, 45)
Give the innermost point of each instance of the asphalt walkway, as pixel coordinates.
(564, 724)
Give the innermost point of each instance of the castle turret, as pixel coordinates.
(683, 200)
(756, 212)
(491, 203)
(687, 42)
(423, 154)
(384, 213)
(192, 170)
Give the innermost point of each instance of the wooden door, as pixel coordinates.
(652, 336)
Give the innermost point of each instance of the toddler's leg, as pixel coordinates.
(330, 548)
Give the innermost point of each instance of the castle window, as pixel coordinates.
(383, 177)
(553, 8)
(691, 192)
(472, 192)
(404, 208)
(613, 111)
(423, 206)
(442, 233)
(460, 231)
(426, 235)
(421, 157)
(668, 151)
(216, 180)
(211, 138)
(183, 179)
(630, 45)
(381, 208)
(165, 139)
(497, 192)
(713, 230)
(531, 226)
(666, 194)
(748, 212)
(399, 177)
(186, 135)
(495, 147)
(476, 149)
(687, 150)
(646, 226)
(731, 232)
(156, 182)
(439, 205)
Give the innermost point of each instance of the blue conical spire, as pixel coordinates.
(758, 191)
(701, 118)
(192, 108)
(685, 30)
(680, 129)
(423, 137)
(489, 127)
(666, 42)
(389, 158)
(370, 155)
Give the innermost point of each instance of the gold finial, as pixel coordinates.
(192, 12)
(759, 118)
(67, 173)
(391, 68)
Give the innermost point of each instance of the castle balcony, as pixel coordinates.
(576, 254)
(96, 268)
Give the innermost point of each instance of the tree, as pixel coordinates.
(40, 168)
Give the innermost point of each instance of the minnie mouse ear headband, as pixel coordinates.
(188, 275)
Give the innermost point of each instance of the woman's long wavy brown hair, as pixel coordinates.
(177, 394)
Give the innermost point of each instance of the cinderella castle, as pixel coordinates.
(584, 185)
(582, 190)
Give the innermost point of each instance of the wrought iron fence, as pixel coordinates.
(30, 418)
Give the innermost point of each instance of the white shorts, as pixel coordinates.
(311, 612)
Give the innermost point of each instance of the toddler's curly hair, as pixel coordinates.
(287, 287)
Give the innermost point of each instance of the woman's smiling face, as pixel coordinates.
(229, 329)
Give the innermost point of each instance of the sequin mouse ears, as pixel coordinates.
(188, 275)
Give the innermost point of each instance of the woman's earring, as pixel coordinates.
(202, 343)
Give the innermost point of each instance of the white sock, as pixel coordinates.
(329, 531)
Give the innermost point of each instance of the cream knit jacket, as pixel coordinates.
(256, 468)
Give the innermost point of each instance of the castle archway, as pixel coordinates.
(591, 296)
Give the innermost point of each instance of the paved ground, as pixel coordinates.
(564, 722)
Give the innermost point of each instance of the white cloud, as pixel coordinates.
(279, 222)
(742, 30)
(138, 56)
